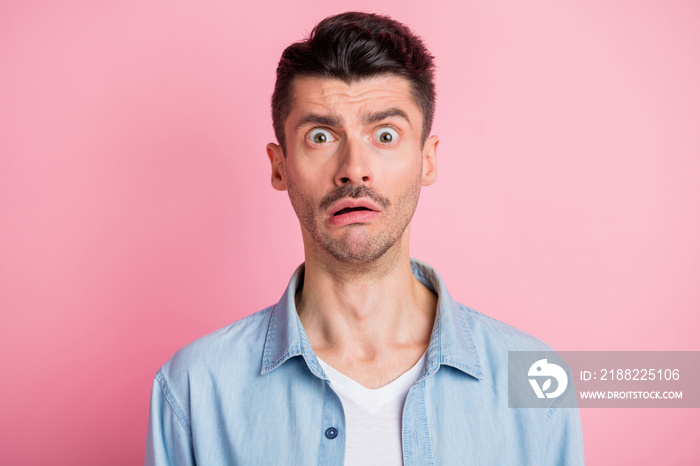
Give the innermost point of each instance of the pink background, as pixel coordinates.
(136, 213)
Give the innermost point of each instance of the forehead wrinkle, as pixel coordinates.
(353, 96)
(355, 91)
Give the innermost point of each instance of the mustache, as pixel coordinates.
(354, 192)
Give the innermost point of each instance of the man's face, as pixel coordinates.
(354, 165)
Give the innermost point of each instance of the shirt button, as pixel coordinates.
(331, 433)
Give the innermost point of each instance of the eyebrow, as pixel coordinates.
(316, 119)
(367, 119)
(376, 117)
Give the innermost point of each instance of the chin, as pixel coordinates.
(357, 254)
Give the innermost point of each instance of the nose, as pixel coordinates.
(354, 166)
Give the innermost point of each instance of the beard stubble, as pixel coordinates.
(356, 245)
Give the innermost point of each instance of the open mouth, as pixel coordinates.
(350, 209)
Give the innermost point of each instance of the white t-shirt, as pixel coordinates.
(373, 416)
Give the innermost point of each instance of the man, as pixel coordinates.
(365, 359)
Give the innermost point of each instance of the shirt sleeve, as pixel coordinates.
(169, 441)
(565, 440)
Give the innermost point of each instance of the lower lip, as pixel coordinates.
(358, 216)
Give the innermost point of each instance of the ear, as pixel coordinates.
(430, 160)
(278, 167)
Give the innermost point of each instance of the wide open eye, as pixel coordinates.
(320, 136)
(386, 135)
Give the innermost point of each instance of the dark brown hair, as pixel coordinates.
(352, 46)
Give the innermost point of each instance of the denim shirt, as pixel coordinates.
(253, 393)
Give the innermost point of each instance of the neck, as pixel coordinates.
(365, 311)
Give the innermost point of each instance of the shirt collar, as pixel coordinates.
(451, 342)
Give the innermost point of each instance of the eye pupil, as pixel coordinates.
(320, 137)
(386, 137)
